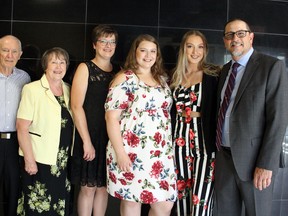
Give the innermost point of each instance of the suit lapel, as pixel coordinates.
(250, 69)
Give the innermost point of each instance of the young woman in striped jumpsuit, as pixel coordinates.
(194, 85)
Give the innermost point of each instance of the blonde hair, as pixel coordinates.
(182, 63)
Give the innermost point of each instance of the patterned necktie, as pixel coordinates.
(225, 103)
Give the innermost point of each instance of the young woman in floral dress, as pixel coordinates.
(140, 153)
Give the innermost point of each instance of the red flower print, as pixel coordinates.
(157, 168)
(129, 72)
(132, 157)
(193, 96)
(163, 143)
(213, 176)
(124, 105)
(117, 195)
(180, 196)
(112, 177)
(128, 175)
(189, 183)
(147, 197)
(130, 96)
(164, 105)
(166, 113)
(173, 186)
(191, 134)
(181, 185)
(192, 145)
(123, 182)
(164, 185)
(139, 181)
(132, 139)
(189, 159)
(188, 111)
(157, 153)
(195, 199)
(158, 137)
(188, 119)
(180, 141)
(213, 164)
(144, 96)
(179, 107)
(151, 112)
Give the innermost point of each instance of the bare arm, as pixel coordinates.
(112, 118)
(78, 93)
(113, 128)
(22, 126)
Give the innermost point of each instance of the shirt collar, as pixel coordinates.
(244, 59)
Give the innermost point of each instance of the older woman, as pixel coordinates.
(44, 129)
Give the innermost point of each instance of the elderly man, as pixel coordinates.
(11, 82)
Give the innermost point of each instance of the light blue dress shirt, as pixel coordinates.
(240, 71)
(10, 94)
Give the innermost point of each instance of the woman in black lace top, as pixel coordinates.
(89, 90)
(194, 85)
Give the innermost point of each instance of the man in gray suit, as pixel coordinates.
(252, 127)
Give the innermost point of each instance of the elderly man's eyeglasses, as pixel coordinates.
(240, 34)
(104, 42)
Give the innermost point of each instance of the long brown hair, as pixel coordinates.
(157, 69)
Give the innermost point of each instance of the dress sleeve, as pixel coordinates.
(26, 106)
(117, 97)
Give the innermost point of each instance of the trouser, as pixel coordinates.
(9, 172)
(231, 192)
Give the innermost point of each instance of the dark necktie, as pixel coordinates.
(225, 103)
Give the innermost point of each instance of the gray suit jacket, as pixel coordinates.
(259, 116)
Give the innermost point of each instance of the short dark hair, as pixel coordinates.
(236, 19)
(57, 51)
(103, 30)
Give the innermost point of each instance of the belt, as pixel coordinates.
(192, 114)
(7, 135)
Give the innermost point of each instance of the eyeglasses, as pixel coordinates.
(240, 34)
(104, 42)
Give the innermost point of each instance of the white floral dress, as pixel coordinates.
(147, 139)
